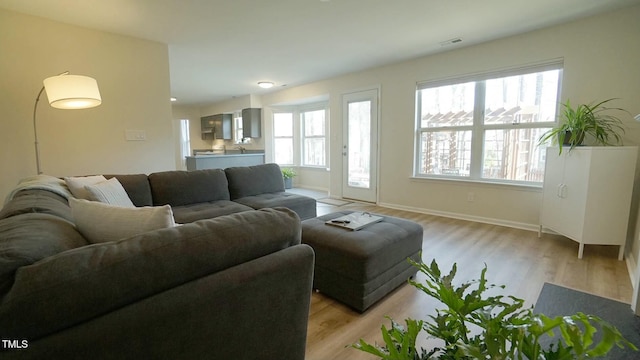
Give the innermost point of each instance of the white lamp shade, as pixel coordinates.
(72, 92)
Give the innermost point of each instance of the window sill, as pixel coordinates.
(314, 168)
(537, 187)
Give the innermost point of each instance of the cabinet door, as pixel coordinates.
(251, 122)
(577, 164)
(551, 201)
(610, 191)
(216, 127)
(564, 192)
(206, 123)
(207, 127)
(223, 129)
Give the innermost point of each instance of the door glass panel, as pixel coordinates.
(359, 144)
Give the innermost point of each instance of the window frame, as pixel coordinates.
(299, 135)
(478, 128)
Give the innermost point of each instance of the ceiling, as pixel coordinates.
(219, 49)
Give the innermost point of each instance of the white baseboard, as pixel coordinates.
(314, 188)
(480, 219)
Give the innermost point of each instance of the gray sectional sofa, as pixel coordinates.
(203, 194)
(230, 277)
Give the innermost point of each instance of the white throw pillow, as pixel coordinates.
(109, 192)
(99, 222)
(76, 184)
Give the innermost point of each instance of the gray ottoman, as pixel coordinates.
(360, 267)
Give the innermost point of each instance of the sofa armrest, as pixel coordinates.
(81, 284)
(256, 310)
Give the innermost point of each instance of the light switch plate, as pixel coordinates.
(135, 135)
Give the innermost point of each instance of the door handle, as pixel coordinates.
(562, 191)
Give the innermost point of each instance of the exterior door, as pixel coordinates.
(360, 147)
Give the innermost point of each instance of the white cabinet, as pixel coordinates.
(587, 194)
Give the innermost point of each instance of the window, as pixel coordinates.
(300, 135)
(185, 142)
(237, 121)
(487, 127)
(313, 150)
(283, 137)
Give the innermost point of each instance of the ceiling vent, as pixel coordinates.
(451, 42)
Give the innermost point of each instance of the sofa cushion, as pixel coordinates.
(77, 184)
(91, 281)
(100, 222)
(178, 188)
(37, 201)
(137, 187)
(193, 212)
(304, 206)
(109, 192)
(28, 238)
(253, 180)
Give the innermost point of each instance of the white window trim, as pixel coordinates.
(478, 128)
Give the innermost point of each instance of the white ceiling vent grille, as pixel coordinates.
(451, 41)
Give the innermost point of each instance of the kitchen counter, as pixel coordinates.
(223, 160)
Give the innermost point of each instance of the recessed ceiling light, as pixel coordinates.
(265, 84)
(174, 99)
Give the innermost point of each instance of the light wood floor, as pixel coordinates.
(515, 258)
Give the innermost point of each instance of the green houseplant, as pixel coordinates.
(591, 119)
(474, 325)
(288, 174)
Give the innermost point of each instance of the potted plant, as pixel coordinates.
(591, 119)
(474, 325)
(288, 174)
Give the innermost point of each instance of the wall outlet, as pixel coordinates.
(135, 135)
(471, 197)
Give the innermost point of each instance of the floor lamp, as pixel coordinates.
(66, 91)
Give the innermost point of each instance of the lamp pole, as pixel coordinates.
(35, 132)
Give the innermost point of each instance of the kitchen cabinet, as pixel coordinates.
(216, 127)
(587, 194)
(251, 122)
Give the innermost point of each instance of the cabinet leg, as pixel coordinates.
(580, 250)
(621, 253)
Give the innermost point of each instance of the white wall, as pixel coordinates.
(133, 77)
